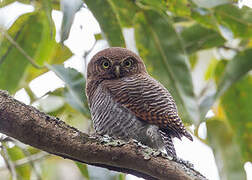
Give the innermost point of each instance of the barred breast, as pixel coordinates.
(149, 101)
(115, 120)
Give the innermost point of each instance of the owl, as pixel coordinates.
(127, 103)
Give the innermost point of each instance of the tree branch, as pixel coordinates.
(30, 126)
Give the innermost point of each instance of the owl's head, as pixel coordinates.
(114, 63)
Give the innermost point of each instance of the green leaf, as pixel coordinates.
(179, 7)
(238, 21)
(209, 73)
(161, 48)
(226, 150)
(237, 103)
(36, 35)
(48, 50)
(157, 4)
(26, 31)
(246, 14)
(193, 59)
(56, 4)
(108, 20)
(24, 171)
(204, 17)
(235, 69)
(47, 7)
(219, 70)
(197, 37)
(57, 54)
(69, 8)
(75, 83)
(240, 65)
(121, 177)
(83, 169)
(48, 47)
(126, 11)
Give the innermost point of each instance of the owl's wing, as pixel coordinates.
(149, 101)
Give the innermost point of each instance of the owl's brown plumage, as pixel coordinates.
(126, 102)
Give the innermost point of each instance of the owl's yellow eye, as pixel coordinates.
(127, 63)
(105, 64)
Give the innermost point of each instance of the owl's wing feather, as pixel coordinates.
(149, 101)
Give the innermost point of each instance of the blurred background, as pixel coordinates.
(200, 50)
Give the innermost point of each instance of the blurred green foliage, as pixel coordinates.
(169, 36)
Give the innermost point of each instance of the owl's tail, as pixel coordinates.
(169, 147)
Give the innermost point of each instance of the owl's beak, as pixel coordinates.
(117, 71)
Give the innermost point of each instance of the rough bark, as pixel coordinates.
(30, 126)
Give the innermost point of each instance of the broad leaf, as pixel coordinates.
(157, 4)
(69, 8)
(75, 83)
(49, 50)
(204, 17)
(56, 55)
(226, 150)
(160, 46)
(197, 37)
(239, 21)
(36, 35)
(236, 103)
(235, 69)
(28, 28)
(177, 8)
(47, 7)
(108, 20)
(126, 11)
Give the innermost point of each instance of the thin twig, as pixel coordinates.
(29, 160)
(21, 50)
(8, 162)
(35, 157)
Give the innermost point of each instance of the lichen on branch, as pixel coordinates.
(35, 128)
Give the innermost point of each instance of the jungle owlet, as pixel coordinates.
(125, 102)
